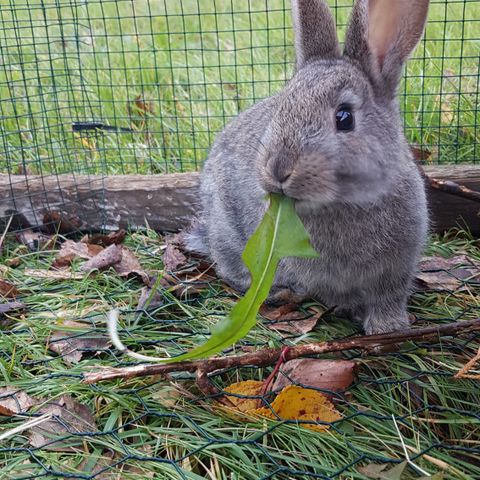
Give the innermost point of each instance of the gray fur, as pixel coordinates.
(358, 193)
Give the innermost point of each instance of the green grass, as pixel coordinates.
(196, 65)
(161, 429)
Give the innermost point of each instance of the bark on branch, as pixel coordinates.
(265, 357)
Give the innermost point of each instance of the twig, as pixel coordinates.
(463, 372)
(2, 238)
(269, 356)
(452, 188)
(25, 426)
(268, 381)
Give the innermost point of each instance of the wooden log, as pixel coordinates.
(168, 202)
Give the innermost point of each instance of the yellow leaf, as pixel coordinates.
(248, 388)
(292, 403)
(297, 403)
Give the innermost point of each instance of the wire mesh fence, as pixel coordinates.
(401, 403)
(93, 88)
(122, 86)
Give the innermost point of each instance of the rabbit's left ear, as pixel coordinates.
(315, 31)
(381, 36)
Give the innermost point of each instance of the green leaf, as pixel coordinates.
(280, 234)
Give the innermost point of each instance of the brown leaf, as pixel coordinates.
(113, 238)
(34, 240)
(58, 433)
(187, 284)
(284, 313)
(14, 401)
(156, 300)
(71, 250)
(420, 153)
(173, 258)
(329, 375)
(290, 320)
(11, 306)
(106, 258)
(438, 273)
(129, 265)
(373, 470)
(58, 222)
(72, 344)
(8, 290)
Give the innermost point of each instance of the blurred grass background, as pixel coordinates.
(170, 74)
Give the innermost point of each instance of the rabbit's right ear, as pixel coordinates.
(315, 31)
(381, 35)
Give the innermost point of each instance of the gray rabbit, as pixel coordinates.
(333, 140)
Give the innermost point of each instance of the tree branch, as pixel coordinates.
(269, 356)
(453, 188)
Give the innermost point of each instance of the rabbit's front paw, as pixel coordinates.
(389, 316)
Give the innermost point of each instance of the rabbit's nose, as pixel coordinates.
(280, 167)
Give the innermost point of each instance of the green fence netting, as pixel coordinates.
(121, 86)
(92, 88)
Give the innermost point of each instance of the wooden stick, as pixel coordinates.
(453, 188)
(269, 356)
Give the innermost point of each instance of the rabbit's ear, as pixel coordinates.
(382, 34)
(315, 32)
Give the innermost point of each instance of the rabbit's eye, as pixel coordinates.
(344, 118)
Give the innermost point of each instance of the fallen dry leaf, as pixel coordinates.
(129, 265)
(35, 240)
(106, 258)
(298, 403)
(58, 222)
(292, 403)
(380, 471)
(373, 470)
(73, 343)
(155, 302)
(296, 327)
(329, 375)
(173, 258)
(420, 153)
(186, 284)
(58, 433)
(289, 319)
(54, 274)
(113, 238)
(8, 290)
(241, 391)
(11, 306)
(14, 401)
(438, 273)
(286, 312)
(71, 250)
